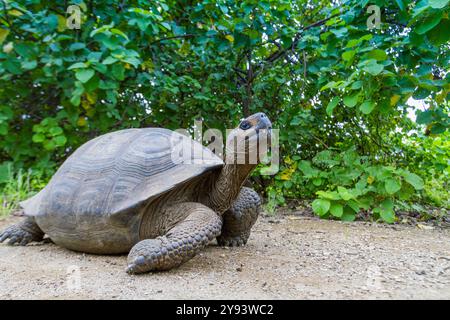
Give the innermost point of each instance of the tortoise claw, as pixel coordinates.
(231, 241)
(16, 235)
(22, 233)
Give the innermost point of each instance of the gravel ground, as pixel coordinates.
(288, 257)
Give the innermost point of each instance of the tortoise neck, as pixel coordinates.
(226, 187)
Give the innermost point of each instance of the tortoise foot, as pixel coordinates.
(179, 244)
(239, 219)
(235, 241)
(22, 233)
(144, 256)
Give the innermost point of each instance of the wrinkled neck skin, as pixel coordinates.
(225, 189)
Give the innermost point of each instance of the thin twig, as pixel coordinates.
(282, 52)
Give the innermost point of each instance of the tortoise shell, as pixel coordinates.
(111, 176)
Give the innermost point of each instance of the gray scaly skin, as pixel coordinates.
(188, 237)
(240, 218)
(180, 243)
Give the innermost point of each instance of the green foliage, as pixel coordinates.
(333, 87)
(352, 183)
(16, 186)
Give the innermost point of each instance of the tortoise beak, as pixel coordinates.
(263, 123)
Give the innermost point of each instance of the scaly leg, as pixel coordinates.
(180, 243)
(240, 218)
(23, 232)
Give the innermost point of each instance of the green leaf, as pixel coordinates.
(133, 61)
(119, 32)
(373, 68)
(340, 33)
(25, 50)
(118, 71)
(351, 100)
(414, 180)
(109, 60)
(440, 34)
(387, 215)
(344, 193)
(356, 85)
(438, 128)
(99, 67)
(353, 205)
(100, 30)
(429, 23)
(13, 66)
(77, 46)
(38, 137)
(317, 182)
(392, 186)
(84, 75)
(331, 105)
(223, 8)
(321, 206)
(377, 54)
(92, 84)
(348, 214)
(400, 4)
(352, 42)
(348, 55)
(78, 65)
(29, 65)
(49, 145)
(75, 100)
(330, 195)
(172, 106)
(54, 131)
(387, 204)
(3, 129)
(438, 4)
(307, 169)
(166, 25)
(3, 34)
(336, 209)
(386, 210)
(60, 140)
(367, 107)
(329, 85)
(5, 172)
(425, 117)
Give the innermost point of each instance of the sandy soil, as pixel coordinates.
(287, 257)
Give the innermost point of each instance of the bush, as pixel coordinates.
(333, 87)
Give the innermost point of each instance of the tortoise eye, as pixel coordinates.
(245, 125)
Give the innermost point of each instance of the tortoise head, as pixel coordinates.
(252, 132)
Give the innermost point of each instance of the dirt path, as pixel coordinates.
(287, 257)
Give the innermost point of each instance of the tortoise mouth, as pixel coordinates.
(258, 139)
(266, 130)
(263, 133)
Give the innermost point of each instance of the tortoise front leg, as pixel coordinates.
(240, 218)
(23, 232)
(180, 243)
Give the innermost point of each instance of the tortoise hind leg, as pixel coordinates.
(180, 243)
(23, 232)
(240, 218)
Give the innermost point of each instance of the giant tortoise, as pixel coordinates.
(125, 191)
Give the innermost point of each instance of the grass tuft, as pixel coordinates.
(15, 187)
